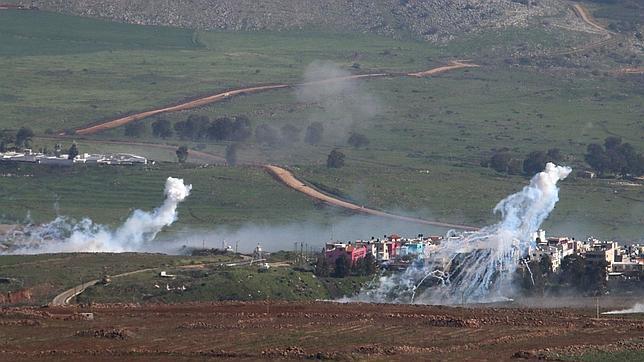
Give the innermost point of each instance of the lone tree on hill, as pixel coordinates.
(162, 128)
(314, 133)
(335, 159)
(134, 130)
(23, 137)
(358, 140)
(500, 161)
(322, 267)
(231, 154)
(72, 152)
(342, 267)
(535, 162)
(182, 154)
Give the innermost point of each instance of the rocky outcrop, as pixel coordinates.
(426, 19)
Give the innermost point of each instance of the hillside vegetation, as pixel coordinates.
(428, 138)
(431, 19)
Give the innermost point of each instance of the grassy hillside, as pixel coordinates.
(67, 270)
(428, 136)
(205, 279)
(95, 70)
(220, 196)
(224, 283)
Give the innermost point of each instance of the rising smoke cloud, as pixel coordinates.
(477, 266)
(343, 101)
(141, 227)
(638, 308)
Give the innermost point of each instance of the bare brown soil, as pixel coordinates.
(315, 330)
(287, 178)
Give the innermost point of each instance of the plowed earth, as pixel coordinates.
(257, 330)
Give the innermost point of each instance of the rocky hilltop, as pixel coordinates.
(425, 19)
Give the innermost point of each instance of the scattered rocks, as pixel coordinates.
(430, 19)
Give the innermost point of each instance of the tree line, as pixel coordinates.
(615, 158)
(576, 273)
(234, 129)
(503, 161)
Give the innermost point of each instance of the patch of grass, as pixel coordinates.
(220, 196)
(218, 283)
(69, 71)
(50, 274)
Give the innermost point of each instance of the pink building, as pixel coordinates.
(355, 253)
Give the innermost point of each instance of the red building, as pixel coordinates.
(355, 253)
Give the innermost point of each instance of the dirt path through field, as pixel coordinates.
(284, 176)
(64, 297)
(93, 129)
(287, 178)
(582, 13)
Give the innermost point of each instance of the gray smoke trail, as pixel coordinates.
(85, 236)
(476, 266)
(638, 308)
(344, 103)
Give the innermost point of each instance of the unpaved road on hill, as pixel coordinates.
(235, 92)
(64, 297)
(287, 178)
(252, 331)
(582, 12)
(284, 176)
(608, 38)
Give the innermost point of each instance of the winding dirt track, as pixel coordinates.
(587, 18)
(287, 178)
(281, 174)
(457, 64)
(584, 15)
(64, 297)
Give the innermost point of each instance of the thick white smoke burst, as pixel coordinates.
(86, 236)
(477, 266)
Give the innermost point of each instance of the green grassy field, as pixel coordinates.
(69, 71)
(220, 196)
(428, 136)
(223, 283)
(64, 271)
(208, 282)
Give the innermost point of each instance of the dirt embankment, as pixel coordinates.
(310, 330)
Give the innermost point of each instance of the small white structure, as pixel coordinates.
(164, 274)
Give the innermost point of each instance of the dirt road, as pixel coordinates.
(179, 107)
(582, 13)
(456, 64)
(287, 178)
(64, 297)
(281, 174)
(231, 93)
(310, 330)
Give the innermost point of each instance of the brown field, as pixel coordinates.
(315, 330)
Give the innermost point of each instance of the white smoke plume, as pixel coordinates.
(86, 236)
(477, 266)
(638, 308)
(343, 102)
